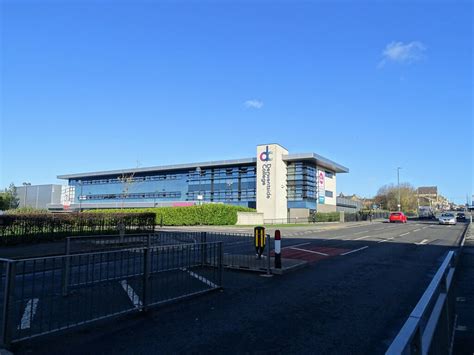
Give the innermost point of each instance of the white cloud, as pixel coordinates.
(399, 52)
(253, 104)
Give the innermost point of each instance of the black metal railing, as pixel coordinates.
(357, 217)
(48, 294)
(21, 228)
(239, 248)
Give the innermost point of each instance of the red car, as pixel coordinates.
(397, 217)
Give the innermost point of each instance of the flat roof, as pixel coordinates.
(163, 168)
(318, 160)
(312, 157)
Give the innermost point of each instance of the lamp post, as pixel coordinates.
(199, 196)
(26, 184)
(398, 182)
(80, 196)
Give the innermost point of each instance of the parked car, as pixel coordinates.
(460, 217)
(397, 217)
(447, 218)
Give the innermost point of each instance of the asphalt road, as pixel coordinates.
(356, 293)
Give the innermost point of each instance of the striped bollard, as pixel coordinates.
(277, 249)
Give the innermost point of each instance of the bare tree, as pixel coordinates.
(387, 197)
(127, 181)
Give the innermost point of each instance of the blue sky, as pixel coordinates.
(97, 85)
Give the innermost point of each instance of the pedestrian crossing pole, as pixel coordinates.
(259, 236)
(277, 249)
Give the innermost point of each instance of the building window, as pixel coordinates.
(328, 193)
(329, 174)
(132, 196)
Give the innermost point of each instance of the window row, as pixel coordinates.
(126, 179)
(122, 196)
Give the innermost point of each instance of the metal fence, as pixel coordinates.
(348, 217)
(240, 251)
(239, 248)
(431, 324)
(356, 217)
(22, 228)
(288, 220)
(49, 294)
(430, 327)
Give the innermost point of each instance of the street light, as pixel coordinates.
(80, 197)
(26, 184)
(199, 196)
(398, 181)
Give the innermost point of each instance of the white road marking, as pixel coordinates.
(401, 235)
(131, 294)
(367, 236)
(296, 245)
(359, 232)
(417, 230)
(29, 313)
(200, 278)
(353, 251)
(423, 242)
(379, 229)
(337, 236)
(385, 240)
(424, 227)
(310, 251)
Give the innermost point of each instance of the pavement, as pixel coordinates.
(360, 285)
(464, 291)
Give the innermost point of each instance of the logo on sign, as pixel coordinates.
(321, 179)
(265, 155)
(265, 179)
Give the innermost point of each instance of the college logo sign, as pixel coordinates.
(265, 155)
(266, 179)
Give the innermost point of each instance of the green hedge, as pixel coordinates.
(328, 217)
(25, 228)
(207, 214)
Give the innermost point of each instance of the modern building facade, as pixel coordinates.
(39, 196)
(274, 182)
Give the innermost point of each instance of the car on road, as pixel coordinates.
(397, 217)
(460, 217)
(447, 218)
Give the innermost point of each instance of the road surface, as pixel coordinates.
(361, 284)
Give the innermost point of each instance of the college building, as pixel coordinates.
(278, 184)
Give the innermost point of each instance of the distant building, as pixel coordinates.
(355, 202)
(39, 196)
(429, 196)
(347, 204)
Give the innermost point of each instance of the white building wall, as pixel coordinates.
(331, 186)
(271, 181)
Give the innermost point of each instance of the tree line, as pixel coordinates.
(9, 198)
(387, 197)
